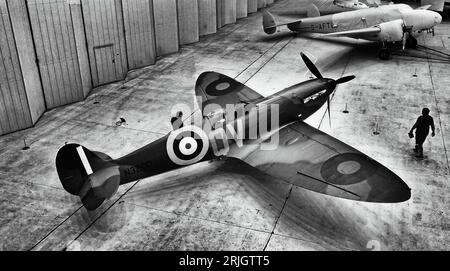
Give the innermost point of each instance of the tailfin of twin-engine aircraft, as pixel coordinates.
(90, 175)
(436, 5)
(312, 11)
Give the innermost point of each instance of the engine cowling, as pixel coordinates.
(391, 31)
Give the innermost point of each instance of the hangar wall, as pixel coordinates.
(55, 51)
(252, 6)
(207, 18)
(14, 108)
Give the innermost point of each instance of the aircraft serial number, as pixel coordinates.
(322, 26)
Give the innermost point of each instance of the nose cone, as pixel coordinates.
(437, 18)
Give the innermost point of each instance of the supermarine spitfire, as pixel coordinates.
(386, 24)
(302, 155)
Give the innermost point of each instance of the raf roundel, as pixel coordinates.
(348, 168)
(222, 86)
(187, 145)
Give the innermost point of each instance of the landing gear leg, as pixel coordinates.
(384, 53)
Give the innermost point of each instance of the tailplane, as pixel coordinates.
(312, 11)
(90, 175)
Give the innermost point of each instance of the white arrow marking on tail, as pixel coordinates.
(84, 160)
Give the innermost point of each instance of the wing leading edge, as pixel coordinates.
(311, 159)
(357, 33)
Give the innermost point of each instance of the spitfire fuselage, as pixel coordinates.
(296, 102)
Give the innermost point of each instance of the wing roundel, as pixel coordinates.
(311, 159)
(213, 87)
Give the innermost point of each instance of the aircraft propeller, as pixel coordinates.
(313, 69)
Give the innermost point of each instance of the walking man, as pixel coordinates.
(422, 127)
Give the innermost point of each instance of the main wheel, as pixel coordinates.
(411, 42)
(384, 54)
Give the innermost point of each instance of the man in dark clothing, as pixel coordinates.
(422, 127)
(177, 121)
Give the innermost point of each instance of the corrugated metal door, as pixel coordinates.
(14, 108)
(106, 42)
(139, 32)
(52, 28)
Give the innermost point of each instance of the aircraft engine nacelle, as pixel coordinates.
(391, 31)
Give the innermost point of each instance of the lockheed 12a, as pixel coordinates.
(301, 155)
(386, 24)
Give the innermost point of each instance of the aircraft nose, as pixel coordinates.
(438, 18)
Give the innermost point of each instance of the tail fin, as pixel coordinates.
(91, 176)
(269, 23)
(312, 11)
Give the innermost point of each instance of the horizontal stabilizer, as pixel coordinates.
(312, 11)
(90, 175)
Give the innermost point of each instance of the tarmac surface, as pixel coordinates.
(216, 206)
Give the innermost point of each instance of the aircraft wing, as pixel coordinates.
(216, 88)
(357, 33)
(309, 158)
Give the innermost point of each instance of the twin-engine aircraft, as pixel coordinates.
(302, 155)
(386, 24)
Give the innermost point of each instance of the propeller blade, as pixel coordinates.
(345, 79)
(328, 109)
(311, 67)
(404, 41)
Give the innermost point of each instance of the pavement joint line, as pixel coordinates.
(230, 224)
(310, 241)
(258, 58)
(114, 126)
(55, 228)
(101, 215)
(270, 59)
(278, 218)
(439, 116)
(199, 218)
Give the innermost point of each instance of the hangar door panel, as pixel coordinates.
(51, 24)
(139, 32)
(104, 25)
(14, 109)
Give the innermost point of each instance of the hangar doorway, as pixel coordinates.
(104, 26)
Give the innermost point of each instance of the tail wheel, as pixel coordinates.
(384, 54)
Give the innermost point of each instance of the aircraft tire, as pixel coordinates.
(411, 42)
(384, 54)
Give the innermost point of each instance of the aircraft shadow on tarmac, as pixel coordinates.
(324, 222)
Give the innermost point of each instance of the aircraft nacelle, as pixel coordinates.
(421, 19)
(391, 31)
